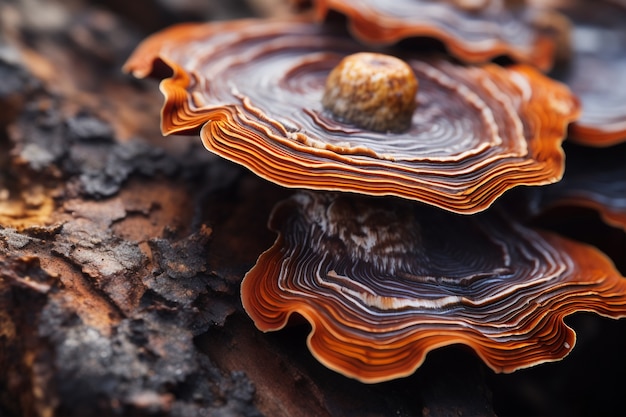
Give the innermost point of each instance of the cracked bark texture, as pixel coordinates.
(121, 255)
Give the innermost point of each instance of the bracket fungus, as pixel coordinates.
(597, 71)
(255, 89)
(595, 179)
(472, 31)
(383, 282)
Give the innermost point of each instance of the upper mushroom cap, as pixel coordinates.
(472, 31)
(597, 71)
(383, 282)
(255, 87)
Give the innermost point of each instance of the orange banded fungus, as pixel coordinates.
(383, 282)
(255, 88)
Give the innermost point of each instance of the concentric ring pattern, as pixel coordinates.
(254, 88)
(477, 34)
(597, 71)
(384, 281)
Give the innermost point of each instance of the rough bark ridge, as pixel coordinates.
(121, 254)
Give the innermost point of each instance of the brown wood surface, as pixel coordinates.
(121, 255)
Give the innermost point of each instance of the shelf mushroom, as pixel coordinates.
(473, 31)
(259, 91)
(383, 282)
(595, 179)
(597, 71)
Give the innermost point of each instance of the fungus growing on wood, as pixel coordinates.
(255, 89)
(384, 281)
(472, 31)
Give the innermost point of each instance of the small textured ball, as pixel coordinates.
(372, 91)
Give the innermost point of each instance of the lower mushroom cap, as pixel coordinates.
(383, 282)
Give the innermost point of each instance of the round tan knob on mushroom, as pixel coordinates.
(372, 91)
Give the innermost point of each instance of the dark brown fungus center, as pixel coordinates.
(372, 91)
